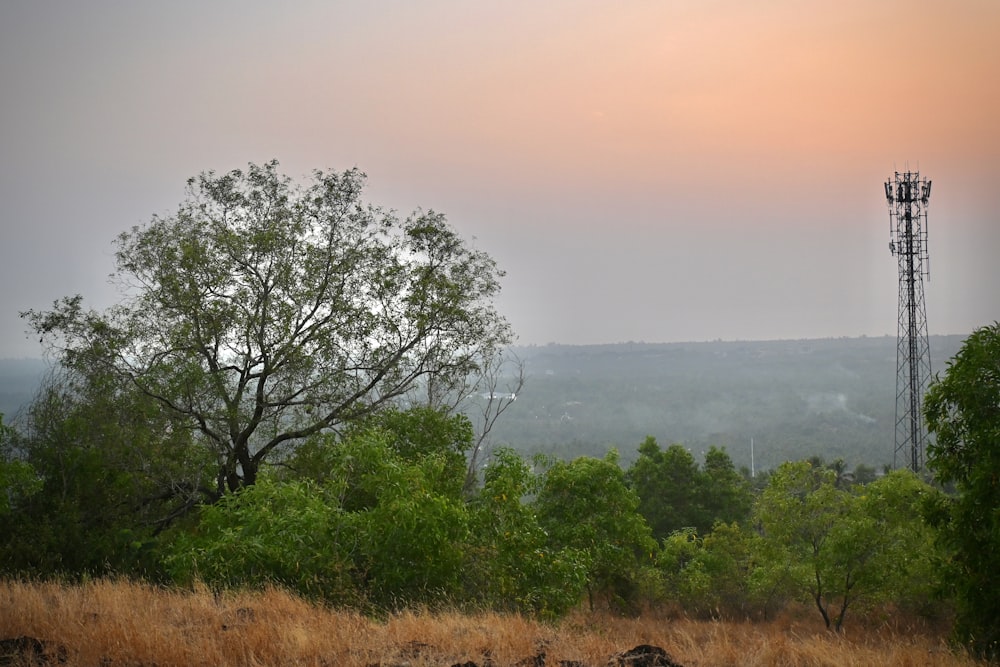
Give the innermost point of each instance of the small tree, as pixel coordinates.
(586, 505)
(263, 312)
(963, 412)
(727, 494)
(840, 547)
(711, 575)
(513, 566)
(797, 514)
(668, 485)
(675, 493)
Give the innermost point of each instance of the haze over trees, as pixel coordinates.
(793, 398)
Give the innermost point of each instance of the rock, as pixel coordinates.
(643, 655)
(537, 660)
(26, 650)
(415, 649)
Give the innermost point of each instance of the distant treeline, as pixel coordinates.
(794, 399)
(832, 397)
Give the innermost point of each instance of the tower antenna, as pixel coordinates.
(907, 195)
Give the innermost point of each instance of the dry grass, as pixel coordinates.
(122, 623)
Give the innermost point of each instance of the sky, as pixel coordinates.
(651, 171)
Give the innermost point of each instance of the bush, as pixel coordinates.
(283, 533)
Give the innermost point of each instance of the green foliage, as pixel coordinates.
(684, 580)
(667, 485)
(586, 505)
(797, 513)
(863, 474)
(729, 559)
(411, 539)
(712, 575)
(839, 548)
(263, 312)
(283, 533)
(425, 432)
(904, 566)
(18, 479)
(111, 472)
(963, 412)
(794, 398)
(727, 495)
(844, 547)
(675, 493)
(383, 528)
(415, 435)
(513, 567)
(386, 527)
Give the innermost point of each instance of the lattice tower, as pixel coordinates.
(907, 195)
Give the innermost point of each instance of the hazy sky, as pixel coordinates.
(643, 170)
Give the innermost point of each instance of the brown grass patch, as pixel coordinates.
(124, 623)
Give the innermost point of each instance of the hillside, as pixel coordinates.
(828, 397)
(19, 378)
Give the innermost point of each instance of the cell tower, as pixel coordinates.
(907, 195)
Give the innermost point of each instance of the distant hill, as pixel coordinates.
(830, 397)
(19, 379)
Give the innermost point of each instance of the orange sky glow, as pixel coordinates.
(643, 170)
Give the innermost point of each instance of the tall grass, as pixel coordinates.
(125, 623)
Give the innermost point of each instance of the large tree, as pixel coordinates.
(963, 412)
(264, 311)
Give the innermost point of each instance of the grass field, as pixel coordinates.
(122, 623)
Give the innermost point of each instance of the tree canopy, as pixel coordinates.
(675, 493)
(841, 547)
(264, 311)
(585, 504)
(963, 412)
